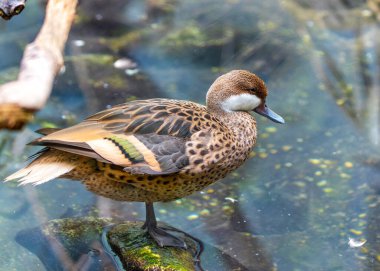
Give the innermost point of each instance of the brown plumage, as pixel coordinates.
(158, 149)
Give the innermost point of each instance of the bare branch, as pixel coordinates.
(41, 62)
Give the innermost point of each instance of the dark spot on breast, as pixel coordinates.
(217, 156)
(150, 178)
(207, 116)
(114, 167)
(174, 110)
(189, 118)
(196, 128)
(111, 175)
(198, 146)
(165, 182)
(192, 152)
(140, 178)
(130, 181)
(198, 161)
(204, 152)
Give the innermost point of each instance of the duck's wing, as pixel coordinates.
(144, 137)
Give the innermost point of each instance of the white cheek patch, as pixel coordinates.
(241, 102)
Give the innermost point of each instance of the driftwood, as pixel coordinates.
(41, 62)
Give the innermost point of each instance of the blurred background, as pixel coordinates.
(309, 199)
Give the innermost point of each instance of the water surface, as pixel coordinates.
(311, 186)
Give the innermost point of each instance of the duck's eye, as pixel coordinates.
(254, 90)
(18, 9)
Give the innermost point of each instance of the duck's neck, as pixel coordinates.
(243, 125)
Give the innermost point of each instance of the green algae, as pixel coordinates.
(47, 124)
(140, 252)
(193, 35)
(127, 39)
(134, 247)
(73, 231)
(93, 59)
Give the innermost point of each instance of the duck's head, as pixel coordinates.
(240, 90)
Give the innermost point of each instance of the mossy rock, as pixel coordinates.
(98, 244)
(140, 252)
(65, 244)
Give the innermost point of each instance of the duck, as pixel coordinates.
(156, 150)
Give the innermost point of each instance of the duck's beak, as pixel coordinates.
(265, 111)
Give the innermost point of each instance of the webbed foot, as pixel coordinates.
(164, 238)
(161, 234)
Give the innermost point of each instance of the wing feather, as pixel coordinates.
(146, 136)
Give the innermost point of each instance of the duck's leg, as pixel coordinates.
(162, 237)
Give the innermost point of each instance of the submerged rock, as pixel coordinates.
(69, 244)
(90, 243)
(139, 252)
(95, 244)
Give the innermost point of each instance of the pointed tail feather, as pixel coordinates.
(46, 167)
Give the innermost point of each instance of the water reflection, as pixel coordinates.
(310, 185)
(347, 63)
(58, 250)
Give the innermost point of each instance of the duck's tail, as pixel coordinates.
(48, 165)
